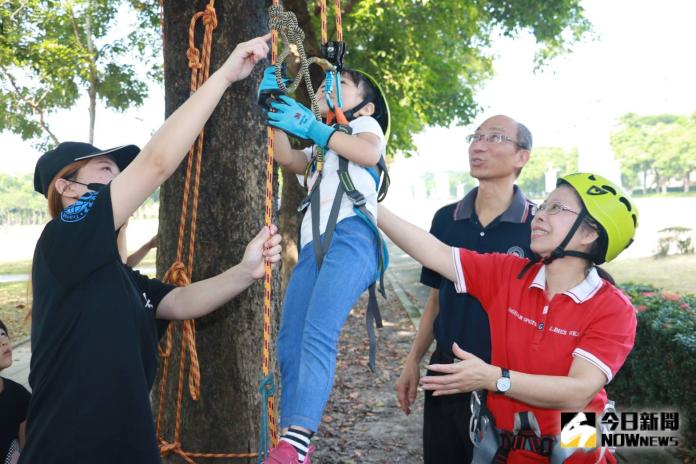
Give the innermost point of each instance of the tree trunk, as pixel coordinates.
(687, 181)
(645, 182)
(93, 76)
(230, 212)
(92, 109)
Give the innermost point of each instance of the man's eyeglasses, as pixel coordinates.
(554, 208)
(491, 138)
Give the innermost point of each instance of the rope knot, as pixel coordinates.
(177, 275)
(166, 448)
(194, 58)
(209, 16)
(267, 386)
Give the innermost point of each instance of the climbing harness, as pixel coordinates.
(493, 446)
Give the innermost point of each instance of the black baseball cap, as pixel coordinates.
(65, 153)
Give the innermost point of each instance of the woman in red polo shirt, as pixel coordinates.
(560, 329)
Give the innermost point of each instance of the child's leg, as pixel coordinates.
(292, 326)
(348, 269)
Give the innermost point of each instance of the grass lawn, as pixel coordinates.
(15, 298)
(24, 267)
(673, 273)
(16, 267)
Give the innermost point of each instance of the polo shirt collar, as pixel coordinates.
(581, 292)
(517, 212)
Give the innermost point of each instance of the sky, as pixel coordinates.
(640, 60)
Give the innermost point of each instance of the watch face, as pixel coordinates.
(503, 384)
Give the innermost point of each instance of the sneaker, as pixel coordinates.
(285, 453)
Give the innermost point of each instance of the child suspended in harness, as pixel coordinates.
(341, 250)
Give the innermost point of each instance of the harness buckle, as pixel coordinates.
(304, 203)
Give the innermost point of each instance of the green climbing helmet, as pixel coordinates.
(382, 114)
(610, 206)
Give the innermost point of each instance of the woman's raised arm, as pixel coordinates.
(168, 147)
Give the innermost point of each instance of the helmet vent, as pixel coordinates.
(592, 177)
(635, 221)
(626, 203)
(611, 189)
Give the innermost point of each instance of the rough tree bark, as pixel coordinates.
(231, 211)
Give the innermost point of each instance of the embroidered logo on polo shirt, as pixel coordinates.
(516, 251)
(513, 312)
(559, 331)
(148, 304)
(79, 210)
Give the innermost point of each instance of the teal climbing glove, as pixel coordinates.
(269, 86)
(296, 119)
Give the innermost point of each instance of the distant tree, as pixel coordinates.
(662, 145)
(18, 202)
(533, 177)
(682, 144)
(52, 52)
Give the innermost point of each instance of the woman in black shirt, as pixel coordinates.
(94, 320)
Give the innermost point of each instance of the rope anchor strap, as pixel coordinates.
(267, 389)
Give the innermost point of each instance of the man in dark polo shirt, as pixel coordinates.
(495, 217)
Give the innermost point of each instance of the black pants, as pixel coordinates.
(446, 424)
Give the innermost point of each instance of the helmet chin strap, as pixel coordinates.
(560, 250)
(350, 114)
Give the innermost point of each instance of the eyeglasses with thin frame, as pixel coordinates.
(491, 138)
(554, 208)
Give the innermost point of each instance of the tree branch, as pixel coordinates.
(349, 7)
(32, 104)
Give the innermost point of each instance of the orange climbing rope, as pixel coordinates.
(334, 114)
(266, 366)
(339, 22)
(180, 272)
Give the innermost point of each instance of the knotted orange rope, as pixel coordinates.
(180, 272)
(266, 364)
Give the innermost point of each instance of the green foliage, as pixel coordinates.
(661, 370)
(663, 146)
(19, 204)
(532, 179)
(52, 52)
(432, 56)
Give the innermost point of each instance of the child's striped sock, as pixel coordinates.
(299, 439)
